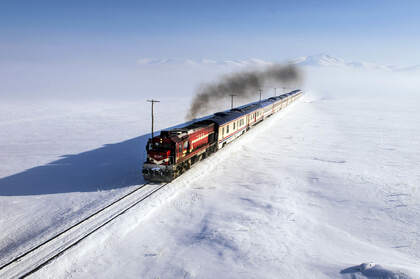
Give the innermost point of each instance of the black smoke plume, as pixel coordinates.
(243, 84)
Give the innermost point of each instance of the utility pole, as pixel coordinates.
(153, 102)
(231, 100)
(284, 89)
(275, 92)
(260, 93)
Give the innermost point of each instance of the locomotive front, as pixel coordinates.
(159, 165)
(175, 151)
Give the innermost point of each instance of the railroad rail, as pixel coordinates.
(37, 257)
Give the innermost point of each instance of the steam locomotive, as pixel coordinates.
(174, 151)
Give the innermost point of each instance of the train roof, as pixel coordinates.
(177, 134)
(225, 116)
(248, 107)
(266, 102)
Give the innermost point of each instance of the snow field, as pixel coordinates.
(313, 194)
(303, 212)
(43, 191)
(171, 191)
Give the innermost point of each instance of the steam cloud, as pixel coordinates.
(243, 84)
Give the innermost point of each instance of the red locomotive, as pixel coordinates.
(174, 151)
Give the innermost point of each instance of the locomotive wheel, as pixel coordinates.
(187, 165)
(179, 170)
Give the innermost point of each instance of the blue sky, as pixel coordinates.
(123, 31)
(89, 49)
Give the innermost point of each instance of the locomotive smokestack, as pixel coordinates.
(242, 84)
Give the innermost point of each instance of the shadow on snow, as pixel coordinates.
(109, 167)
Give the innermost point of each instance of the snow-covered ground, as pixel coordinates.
(62, 161)
(311, 193)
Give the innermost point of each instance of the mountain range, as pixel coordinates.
(319, 60)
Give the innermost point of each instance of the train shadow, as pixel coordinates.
(108, 167)
(111, 166)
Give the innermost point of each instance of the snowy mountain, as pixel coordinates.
(325, 60)
(205, 61)
(319, 60)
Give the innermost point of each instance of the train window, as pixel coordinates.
(223, 131)
(180, 147)
(234, 124)
(186, 145)
(227, 129)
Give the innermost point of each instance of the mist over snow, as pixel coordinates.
(318, 191)
(33, 81)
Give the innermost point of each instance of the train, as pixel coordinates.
(176, 150)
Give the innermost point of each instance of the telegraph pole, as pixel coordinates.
(231, 100)
(153, 102)
(260, 93)
(275, 91)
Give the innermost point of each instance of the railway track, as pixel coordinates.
(37, 257)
